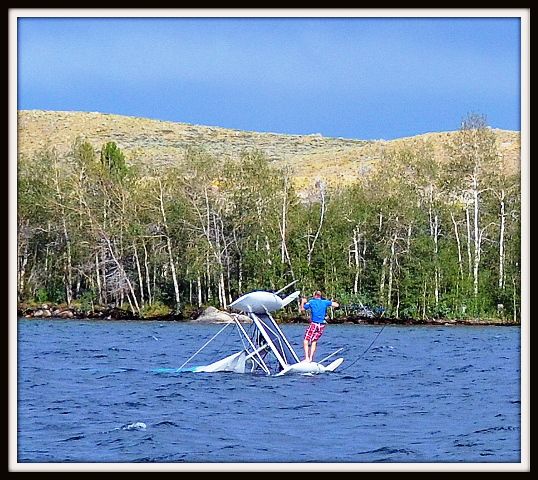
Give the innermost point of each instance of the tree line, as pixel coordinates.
(420, 235)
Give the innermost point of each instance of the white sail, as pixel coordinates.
(232, 363)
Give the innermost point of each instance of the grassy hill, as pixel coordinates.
(160, 143)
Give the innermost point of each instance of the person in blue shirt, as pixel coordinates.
(317, 306)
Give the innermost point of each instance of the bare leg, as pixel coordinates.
(306, 351)
(312, 350)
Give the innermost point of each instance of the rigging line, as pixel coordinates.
(204, 345)
(363, 353)
(329, 356)
(225, 341)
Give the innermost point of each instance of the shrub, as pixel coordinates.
(156, 309)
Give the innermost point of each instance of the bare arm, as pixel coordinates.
(334, 304)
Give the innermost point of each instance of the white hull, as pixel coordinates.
(311, 368)
(262, 302)
(236, 363)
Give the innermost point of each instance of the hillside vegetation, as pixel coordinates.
(157, 143)
(158, 218)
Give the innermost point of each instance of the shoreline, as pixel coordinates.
(113, 314)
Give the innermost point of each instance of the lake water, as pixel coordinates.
(88, 392)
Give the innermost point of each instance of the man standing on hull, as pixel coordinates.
(318, 308)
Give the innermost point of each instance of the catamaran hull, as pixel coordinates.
(262, 302)
(310, 368)
(236, 363)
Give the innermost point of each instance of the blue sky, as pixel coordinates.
(366, 78)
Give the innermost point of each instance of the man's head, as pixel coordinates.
(317, 294)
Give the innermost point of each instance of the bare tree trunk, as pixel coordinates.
(218, 255)
(391, 270)
(47, 255)
(77, 287)
(222, 290)
(69, 267)
(424, 290)
(477, 246)
(139, 270)
(284, 253)
(130, 303)
(514, 299)
(383, 275)
(154, 280)
(103, 273)
(501, 241)
(239, 263)
(268, 251)
(21, 274)
(363, 259)
(225, 264)
(208, 279)
(434, 233)
(190, 288)
(321, 218)
(469, 256)
(285, 256)
(456, 233)
(169, 248)
(283, 223)
(240, 275)
(199, 290)
(356, 257)
(146, 268)
(98, 278)
(68, 277)
(173, 271)
(229, 280)
(436, 256)
(122, 271)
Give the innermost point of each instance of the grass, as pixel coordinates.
(158, 144)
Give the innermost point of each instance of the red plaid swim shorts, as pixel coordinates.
(314, 331)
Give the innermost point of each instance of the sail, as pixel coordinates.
(232, 363)
(277, 341)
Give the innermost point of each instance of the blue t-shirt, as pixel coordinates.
(318, 307)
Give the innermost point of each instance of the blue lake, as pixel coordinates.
(88, 392)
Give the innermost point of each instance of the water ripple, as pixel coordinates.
(87, 392)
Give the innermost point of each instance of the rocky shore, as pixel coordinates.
(214, 315)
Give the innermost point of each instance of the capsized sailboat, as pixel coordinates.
(265, 347)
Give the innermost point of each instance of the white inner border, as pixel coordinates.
(523, 14)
